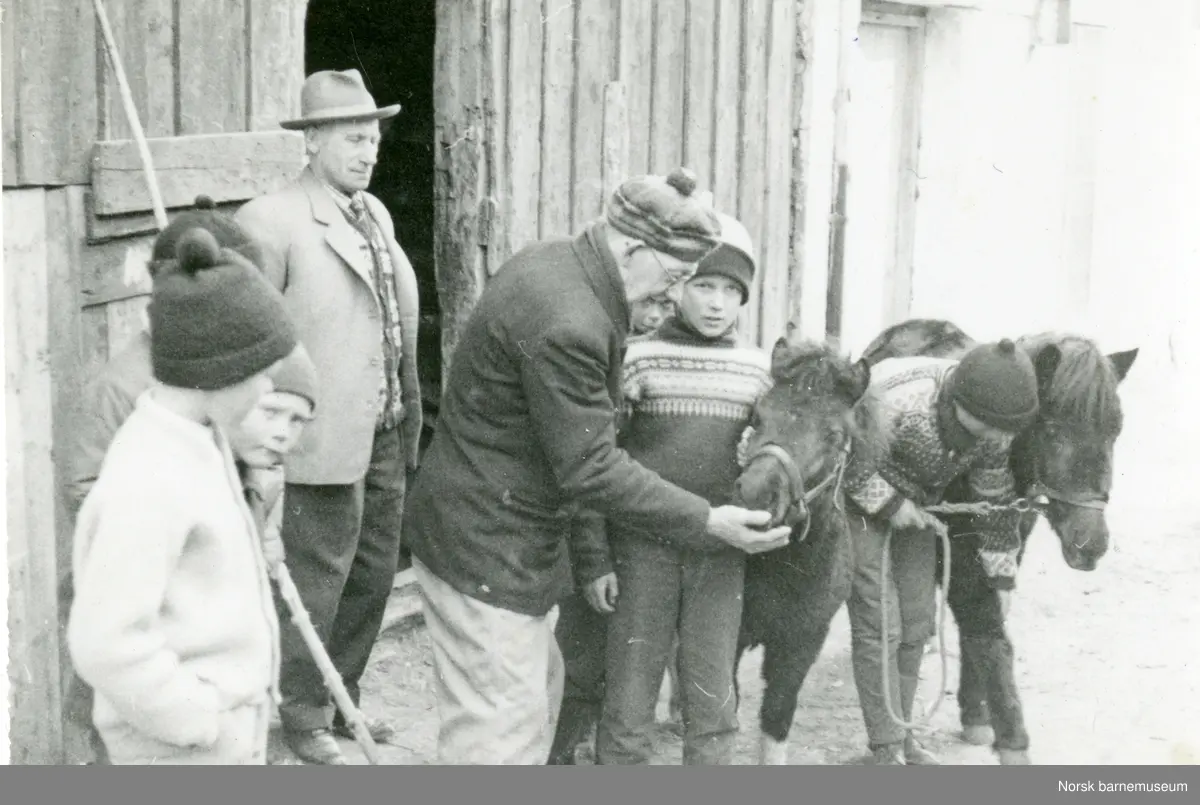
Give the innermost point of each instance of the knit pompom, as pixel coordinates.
(204, 202)
(1006, 346)
(682, 180)
(197, 250)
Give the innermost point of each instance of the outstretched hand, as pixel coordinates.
(742, 529)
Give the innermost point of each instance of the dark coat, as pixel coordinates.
(525, 437)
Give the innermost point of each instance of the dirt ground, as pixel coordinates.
(1106, 661)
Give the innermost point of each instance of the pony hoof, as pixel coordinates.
(979, 735)
(1014, 757)
(772, 752)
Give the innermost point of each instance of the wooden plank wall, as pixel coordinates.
(205, 68)
(713, 84)
(193, 68)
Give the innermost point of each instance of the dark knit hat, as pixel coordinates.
(733, 257)
(997, 384)
(204, 214)
(297, 375)
(215, 320)
(663, 212)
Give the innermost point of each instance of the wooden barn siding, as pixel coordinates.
(520, 114)
(219, 66)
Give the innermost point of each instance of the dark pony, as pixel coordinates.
(1065, 457)
(819, 412)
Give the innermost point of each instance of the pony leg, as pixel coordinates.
(786, 663)
(973, 711)
(1004, 701)
(972, 692)
(987, 656)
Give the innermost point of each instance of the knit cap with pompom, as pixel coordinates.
(666, 214)
(215, 321)
(997, 384)
(204, 214)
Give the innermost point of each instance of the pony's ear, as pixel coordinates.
(1122, 361)
(779, 356)
(1045, 364)
(860, 379)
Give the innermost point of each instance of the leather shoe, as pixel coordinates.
(381, 731)
(317, 747)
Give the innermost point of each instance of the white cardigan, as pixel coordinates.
(173, 620)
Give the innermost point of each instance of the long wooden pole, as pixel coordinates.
(354, 717)
(139, 136)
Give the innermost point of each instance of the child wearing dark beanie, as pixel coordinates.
(173, 623)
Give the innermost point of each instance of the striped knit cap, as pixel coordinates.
(662, 212)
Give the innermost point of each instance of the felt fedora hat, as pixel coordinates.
(337, 95)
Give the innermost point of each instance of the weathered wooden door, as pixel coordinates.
(881, 157)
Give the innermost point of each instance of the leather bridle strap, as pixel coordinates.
(1099, 502)
(800, 497)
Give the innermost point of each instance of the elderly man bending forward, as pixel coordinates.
(525, 439)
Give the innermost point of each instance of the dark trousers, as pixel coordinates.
(343, 546)
(582, 634)
(663, 592)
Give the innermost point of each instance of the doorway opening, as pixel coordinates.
(391, 42)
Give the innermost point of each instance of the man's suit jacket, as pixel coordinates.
(526, 436)
(311, 254)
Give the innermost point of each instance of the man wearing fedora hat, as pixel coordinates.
(331, 248)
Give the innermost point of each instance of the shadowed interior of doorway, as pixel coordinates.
(391, 43)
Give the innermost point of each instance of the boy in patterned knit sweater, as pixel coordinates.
(949, 418)
(582, 627)
(689, 393)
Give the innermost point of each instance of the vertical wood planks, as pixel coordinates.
(701, 67)
(8, 96)
(524, 160)
(774, 251)
(753, 169)
(616, 138)
(55, 89)
(670, 64)
(458, 166)
(145, 36)
(33, 605)
(212, 66)
(65, 215)
(727, 91)
(635, 71)
(595, 43)
(558, 83)
(275, 64)
(494, 230)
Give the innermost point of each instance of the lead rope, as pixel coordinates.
(941, 632)
(1020, 505)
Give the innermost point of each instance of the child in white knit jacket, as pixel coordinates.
(173, 622)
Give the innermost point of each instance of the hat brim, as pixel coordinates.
(317, 119)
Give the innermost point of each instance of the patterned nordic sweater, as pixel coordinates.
(930, 449)
(687, 399)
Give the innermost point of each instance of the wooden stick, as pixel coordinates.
(354, 717)
(139, 136)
